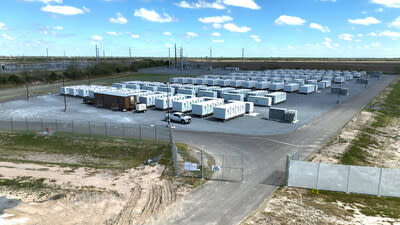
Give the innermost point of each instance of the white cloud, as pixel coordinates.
(216, 19)
(379, 10)
(3, 26)
(328, 43)
(191, 35)
(346, 37)
(328, 0)
(135, 36)
(256, 38)
(216, 34)
(250, 4)
(391, 34)
(360, 35)
(290, 20)
(45, 1)
(153, 16)
(388, 3)
(373, 34)
(217, 26)
(218, 40)
(113, 33)
(395, 23)
(200, 4)
(58, 28)
(7, 37)
(364, 12)
(64, 10)
(366, 21)
(234, 28)
(321, 28)
(167, 33)
(97, 38)
(120, 19)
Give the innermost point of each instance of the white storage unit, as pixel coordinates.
(292, 87)
(222, 91)
(185, 91)
(64, 90)
(162, 103)
(212, 82)
(191, 80)
(307, 89)
(206, 108)
(132, 86)
(277, 97)
(260, 100)
(185, 105)
(298, 81)
(150, 100)
(249, 84)
(233, 96)
(321, 85)
(149, 88)
(83, 92)
(73, 91)
(174, 80)
(276, 86)
(236, 83)
(118, 85)
(312, 82)
(348, 77)
(338, 80)
(210, 94)
(224, 83)
(262, 85)
(249, 107)
(166, 89)
(230, 111)
(256, 93)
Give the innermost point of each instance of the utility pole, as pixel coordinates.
(130, 56)
(169, 58)
(175, 57)
(65, 96)
(181, 55)
(47, 54)
(242, 57)
(97, 54)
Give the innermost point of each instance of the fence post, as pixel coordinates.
(317, 180)
(72, 127)
(105, 129)
(12, 124)
(202, 164)
(155, 134)
(223, 166)
(287, 169)
(140, 132)
(56, 125)
(41, 124)
(26, 124)
(123, 131)
(242, 162)
(348, 178)
(90, 129)
(380, 182)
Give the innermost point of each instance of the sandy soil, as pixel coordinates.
(89, 196)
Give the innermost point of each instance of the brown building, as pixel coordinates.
(115, 101)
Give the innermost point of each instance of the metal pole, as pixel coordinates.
(26, 124)
(41, 124)
(90, 129)
(140, 132)
(169, 58)
(105, 129)
(202, 164)
(65, 95)
(56, 126)
(130, 56)
(211, 66)
(348, 178)
(123, 131)
(12, 124)
(155, 133)
(175, 58)
(242, 167)
(223, 165)
(380, 182)
(72, 127)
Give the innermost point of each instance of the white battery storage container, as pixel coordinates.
(262, 85)
(338, 80)
(224, 83)
(132, 86)
(150, 100)
(292, 87)
(185, 91)
(230, 111)
(212, 82)
(210, 94)
(162, 103)
(233, 96)
(236, 83)
(249, 107)
(277, 97)
(249, 84)
(260, 100)
(276, 86)
(206, 108)
(185, 105)
(307, 89)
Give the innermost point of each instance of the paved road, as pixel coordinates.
(264, 160)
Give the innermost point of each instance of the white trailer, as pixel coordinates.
(307, 89)
(150, 100)
(233, 96)
(185, 105)
(230, 111)
(206, 108)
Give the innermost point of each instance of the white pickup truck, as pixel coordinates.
(179, 117)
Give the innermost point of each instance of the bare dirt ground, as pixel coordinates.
(88, 196)
(300, 206)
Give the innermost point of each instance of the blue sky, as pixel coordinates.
(268, 28)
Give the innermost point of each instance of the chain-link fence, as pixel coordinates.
(344, 178)
(142, 132)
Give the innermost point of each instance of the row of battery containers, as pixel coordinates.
(89, 90)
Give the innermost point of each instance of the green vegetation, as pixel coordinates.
(26, 183)
(80, 151)
(369, 205)
(75, 73)
(388, 108)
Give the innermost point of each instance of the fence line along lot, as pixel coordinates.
(309, 107)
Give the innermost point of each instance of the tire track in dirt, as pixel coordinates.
(126, 215)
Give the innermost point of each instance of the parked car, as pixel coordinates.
(179, 118)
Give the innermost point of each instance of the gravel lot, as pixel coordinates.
(310, 107)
